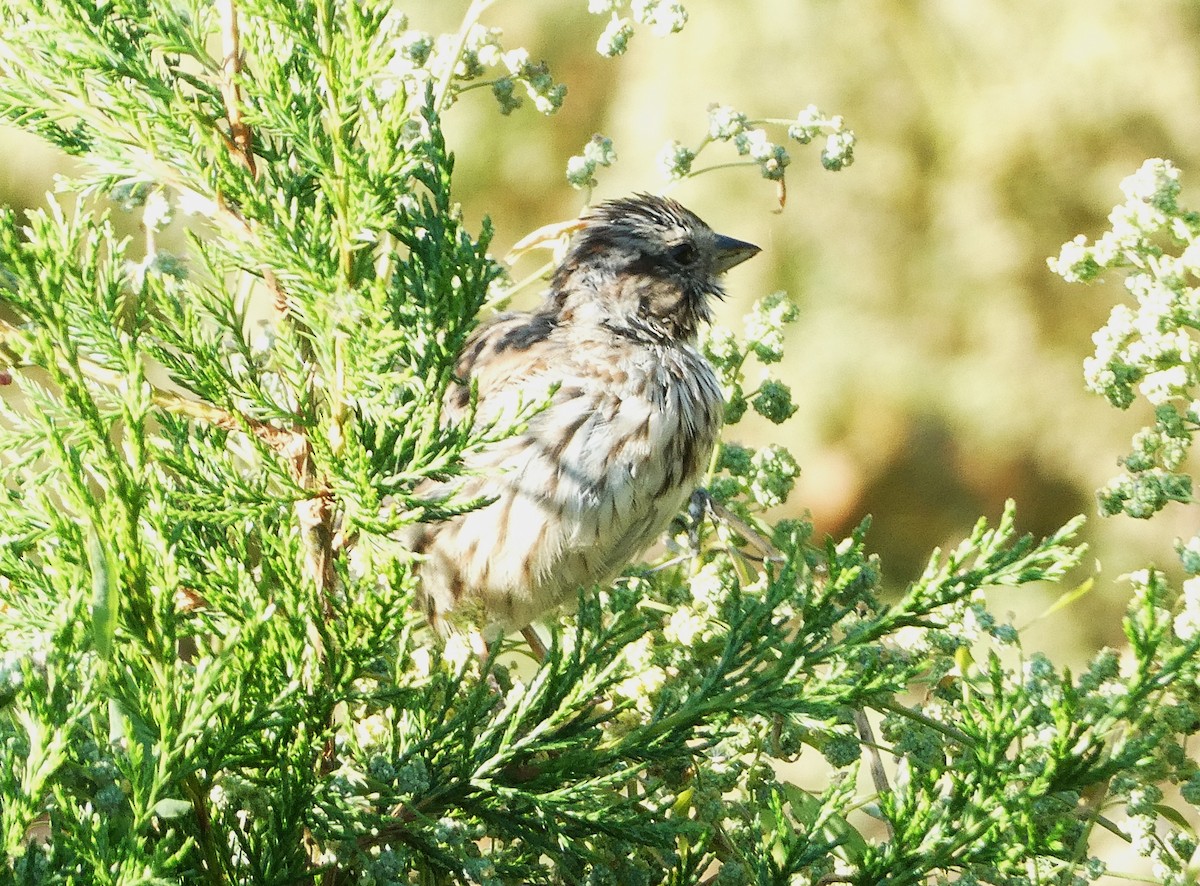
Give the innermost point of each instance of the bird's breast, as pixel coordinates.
(589, 483)
(619, 449)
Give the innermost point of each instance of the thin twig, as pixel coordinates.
(240, 132)
(945, 729)
(878, 775)
(444, 88)
(241, 135)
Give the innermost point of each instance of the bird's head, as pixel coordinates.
(644, 267)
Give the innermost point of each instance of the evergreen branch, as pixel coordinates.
(168, 400)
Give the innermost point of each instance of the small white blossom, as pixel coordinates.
(675, 160)
(1187, 622)
(551, 101)
(614, 40)
(752, 142)
(839, 150)
(1159, 387)
(722, 344)
(808, 124)
(764, 325)
(663, 17)
(775, 473)
(457, 651)
(1073, 260)
(684, 626)
(1157, 182)
(516, 60)
(707, 585)
(725, 122)
(579, 172)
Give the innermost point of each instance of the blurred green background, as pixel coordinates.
(937, 362)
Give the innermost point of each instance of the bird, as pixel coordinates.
(627, 412)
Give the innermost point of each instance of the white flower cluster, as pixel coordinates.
(1149, 207)
(546, 95)
(765, 323)
(727, 124)
(615, 37)
(774, 475)
(675, 160)
(581, 169)
(663, 17)
(1148, 348)
(419, 59)
(750, 139)
(839, 141)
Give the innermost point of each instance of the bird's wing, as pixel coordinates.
(507, 370)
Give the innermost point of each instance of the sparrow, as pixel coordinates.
(631, 412)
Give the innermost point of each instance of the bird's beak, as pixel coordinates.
(732, 252)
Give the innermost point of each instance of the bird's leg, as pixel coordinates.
(703, 503)
(536, 646)
(482, 652)
(698, 507)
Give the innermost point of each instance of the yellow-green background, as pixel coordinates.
(936, 361)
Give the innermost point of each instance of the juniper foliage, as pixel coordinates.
(211, 670)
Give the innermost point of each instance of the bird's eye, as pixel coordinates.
(684, 253)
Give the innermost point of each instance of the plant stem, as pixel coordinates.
(474, 11)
